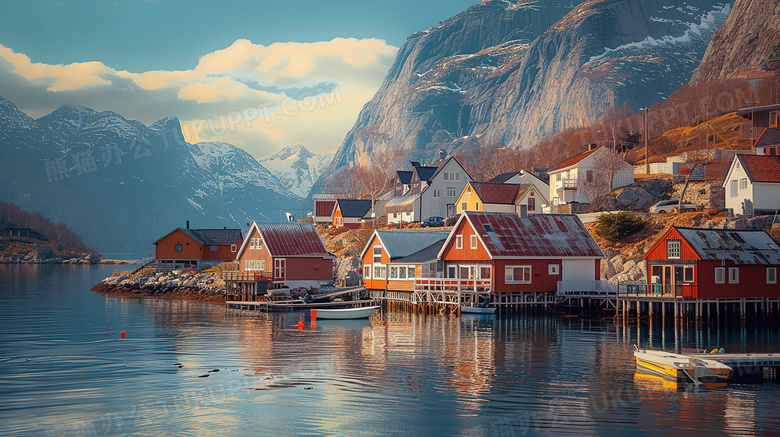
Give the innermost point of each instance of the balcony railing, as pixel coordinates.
(247, 276)
(570, 184)
(656, 290)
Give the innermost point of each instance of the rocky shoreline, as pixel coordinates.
(149, 282)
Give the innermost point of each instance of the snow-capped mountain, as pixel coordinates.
(510, 72)
(122, 185)
(296, 168)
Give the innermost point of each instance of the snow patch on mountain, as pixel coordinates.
(296, 168)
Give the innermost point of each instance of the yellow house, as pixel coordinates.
(498, 197)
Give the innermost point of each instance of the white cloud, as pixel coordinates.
(258, 97)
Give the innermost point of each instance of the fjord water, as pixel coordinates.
(64, 370)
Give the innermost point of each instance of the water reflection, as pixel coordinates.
(394, 373)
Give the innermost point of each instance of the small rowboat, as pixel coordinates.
(468, 309)
(346, 313)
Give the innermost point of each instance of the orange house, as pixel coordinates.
(199, 248)
(292, 254)
(349, 213)
(393, 258)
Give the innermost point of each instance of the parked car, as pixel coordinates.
(667, 206)
(432, 222)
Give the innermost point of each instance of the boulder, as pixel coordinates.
(607, 270)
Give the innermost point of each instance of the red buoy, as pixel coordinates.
(122, 334)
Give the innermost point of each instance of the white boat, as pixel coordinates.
(680, 367)
(468, 309)
(346, 313)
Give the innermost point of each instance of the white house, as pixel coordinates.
(755, 178)
(433, 191)
(523, 177)
(569, 180)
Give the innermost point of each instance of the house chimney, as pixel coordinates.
(523, 211)
(224, 227)
(188, 224)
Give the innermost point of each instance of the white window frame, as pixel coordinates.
(515, 281)
(771, 275)
(673, 252)
(379, 271)
(254, 265)
(233, 248)
(375, 254)
(436, 194)
(367, 271)
(733, 188)
(393, 272)
(473, 241)
(733, 275)
(452, 272)
(256, 243)
(464, 206)
(459, 241)
(720, 275)
(451, 192)
(743, 184)
(553, 269)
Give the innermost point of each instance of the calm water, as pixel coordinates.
(64, 370)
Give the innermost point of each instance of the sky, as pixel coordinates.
(260, 75)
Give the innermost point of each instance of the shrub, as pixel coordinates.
(617, 226)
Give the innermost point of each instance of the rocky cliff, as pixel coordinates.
(748, 41)
(511, 72)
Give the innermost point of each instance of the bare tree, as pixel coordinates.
(376, 176)
(610, 163)
(345, 183)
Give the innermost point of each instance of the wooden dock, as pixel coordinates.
(747, 366)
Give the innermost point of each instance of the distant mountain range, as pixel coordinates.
(122, 185)
(510, 72)
(296, 168)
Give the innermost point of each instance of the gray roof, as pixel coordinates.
(404, 176)
(770, 137)
(429, 253)
(426, 173)
(402, 243)
(503, 177)
(354, 207)
(210, 236)
(739, 246)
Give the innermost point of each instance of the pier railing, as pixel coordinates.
(597, 289)
(655, 290)
(246, 276)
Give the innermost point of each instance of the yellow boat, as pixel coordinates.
(680, 368)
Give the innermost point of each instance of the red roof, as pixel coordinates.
(291, 239)
(761, 168)
(571, 161)
(494, 192)
(324, 208)
(538, 235)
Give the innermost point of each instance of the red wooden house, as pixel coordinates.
(199, 248)
(349, 213)
(537, 253)
(714, 263)
(288, 253)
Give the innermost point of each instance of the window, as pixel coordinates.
(402, 272)
(773, 119)
(771, 275)
(558, 177)
(366, 271)
(256, 243)
(377, 254)
(379, 272)
(464, 206)
(177, 248)
(232, 247)
(484, 272)
(553, 269)
(517, 274)
(733, 275)
(733, 188)
(452, 272)
(688, 274)
(451, 192)
(436, 193)
(393, 272)
(254, 265)
(589, 175)
(720, 275)
(477, 208)
(743, 184)
(459, 241)
(412, 272)
(673, 249)
(446, 176)
(214, 248)
(473, 241)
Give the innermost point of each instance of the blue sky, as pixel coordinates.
(205, 61)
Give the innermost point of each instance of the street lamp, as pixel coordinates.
(647, 162)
